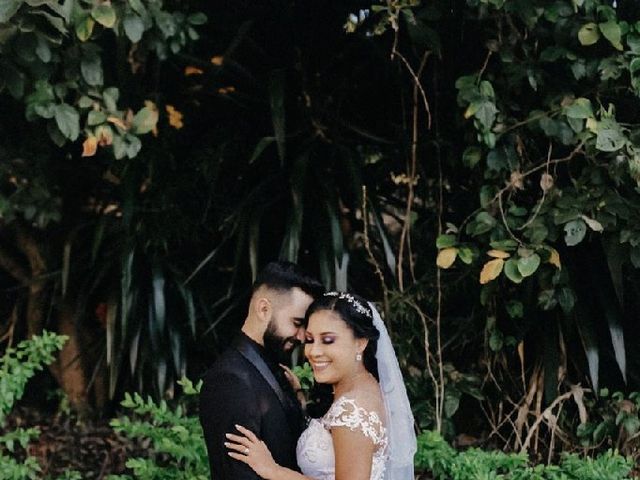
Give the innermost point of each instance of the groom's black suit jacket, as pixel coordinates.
(246, 387)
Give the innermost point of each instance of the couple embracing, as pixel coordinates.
(251, 410)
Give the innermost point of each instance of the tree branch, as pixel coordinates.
(13, 267)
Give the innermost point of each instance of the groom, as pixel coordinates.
(246, 385)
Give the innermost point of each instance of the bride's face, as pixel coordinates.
(331, 347)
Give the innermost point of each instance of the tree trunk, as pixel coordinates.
(69, 369)
(72, 368)
(37, 283)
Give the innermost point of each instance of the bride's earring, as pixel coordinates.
(358, 357)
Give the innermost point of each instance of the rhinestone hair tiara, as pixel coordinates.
(357, 304)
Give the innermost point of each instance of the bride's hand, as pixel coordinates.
(251, 450)
(292, 378)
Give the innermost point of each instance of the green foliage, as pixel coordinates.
(81, 73)
(614, 420)
(305, 375)
(562, 119)
(17, 366)
(177, 443)
(52, 60)
(435, 456)
(546, 106)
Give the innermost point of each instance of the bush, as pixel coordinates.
(438, 458)
(614, 419)
(17, 366)
(178, 448)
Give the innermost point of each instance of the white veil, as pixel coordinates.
(402, 437)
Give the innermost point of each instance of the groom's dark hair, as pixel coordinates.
(284, 276)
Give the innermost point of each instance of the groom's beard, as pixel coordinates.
(276, 345)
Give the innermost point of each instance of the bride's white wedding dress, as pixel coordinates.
(315, 446)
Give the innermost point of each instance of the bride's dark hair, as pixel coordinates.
(356, 313)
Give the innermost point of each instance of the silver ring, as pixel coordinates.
(246, 451)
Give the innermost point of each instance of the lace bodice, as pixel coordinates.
(315, 453)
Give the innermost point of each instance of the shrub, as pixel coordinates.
(17, 366)
(614, 419)
(177, 451)
(439, 459)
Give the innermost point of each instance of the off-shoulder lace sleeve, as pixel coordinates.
(345, 412)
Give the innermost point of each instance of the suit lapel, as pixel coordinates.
(248, 352)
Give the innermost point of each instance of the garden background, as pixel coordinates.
(472, 166)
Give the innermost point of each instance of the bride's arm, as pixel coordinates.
(251, 450)
(353, 453)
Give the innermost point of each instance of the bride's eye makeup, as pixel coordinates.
(325, 340)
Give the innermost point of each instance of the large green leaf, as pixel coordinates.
(617, 255)
(134, 350)
(471, 156)
(187, 296)
(389, 255)
(133, 145)
(608, 303)
(84, 28)
(177, 352)
(254, 242)
(133, 27)
(110, 96)
(42, 50)
(145, 120)
(197, 18)
(580, 108)
(166, 23)
(612, 32)
(260, 148)
(104, 14)
(127, 293)
(610, 137)
(574, 232)
(342, 270)
(96, 117)
(527, 266)
(68, 121)
(336, 229)
(484, 110)
(291, 243)
(590, 344)
(159, 302)
(138, 7)
(161, 375)
(110, 330)
(551, 359)
(588, 34)
(446, 241)
(8, 8)
(512, 272)
(91, 68)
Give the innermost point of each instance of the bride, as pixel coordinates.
(367, 433)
